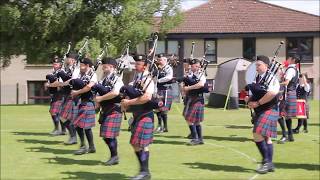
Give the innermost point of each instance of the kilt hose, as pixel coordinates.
(266, 123)
(86, 115)
(142, 129)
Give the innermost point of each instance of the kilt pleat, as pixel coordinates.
(167, 98)
(193, 111)
(142, 129)
(291, 104)
(266, 123)
(110, 124)
(86, 115)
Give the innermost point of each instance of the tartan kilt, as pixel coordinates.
(68, 109)
(266, 123)
(110, 124)
(291, 104)
(193, 111)
(55, 107)
(167, 99)
(142, 129)
(86, 115)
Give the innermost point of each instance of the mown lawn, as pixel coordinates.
(28, 152)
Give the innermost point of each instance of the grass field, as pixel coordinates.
(28, 152)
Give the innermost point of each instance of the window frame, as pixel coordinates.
(299, 51)
(215, 60)
(255, 46)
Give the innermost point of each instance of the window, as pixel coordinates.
(211, 52)
(161, 48)
(36, 93)
(173, 47)
(249, 48)
(301, 46)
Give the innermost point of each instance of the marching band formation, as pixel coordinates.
(77, 95)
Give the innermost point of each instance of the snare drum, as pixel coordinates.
(301, 109)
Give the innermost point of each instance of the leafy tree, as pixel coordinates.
(41, 28)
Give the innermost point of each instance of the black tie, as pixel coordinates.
(258, 78)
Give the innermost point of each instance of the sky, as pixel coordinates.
(308, 6)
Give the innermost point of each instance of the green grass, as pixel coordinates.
(27, 152)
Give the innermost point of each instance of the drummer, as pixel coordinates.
(303, 91)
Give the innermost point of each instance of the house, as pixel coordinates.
(245, 28)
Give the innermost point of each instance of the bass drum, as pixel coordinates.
(251, 73)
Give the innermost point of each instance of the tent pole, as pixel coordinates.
(225, 104)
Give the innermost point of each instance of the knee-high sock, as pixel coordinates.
(165, 120)
(193, 131)
(305, 124)
(89, 136)
(299, 124)
(144, 160)
(289, 125)
(283, 128)
(263, 149)
(199, 131)
(113, 145)
(63, 127)
(159, 118)
(55, 121)
(70, 127)
(270, 152)
(81, 135)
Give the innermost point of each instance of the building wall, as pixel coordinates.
(19, 72)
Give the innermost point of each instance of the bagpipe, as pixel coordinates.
(189, 81)
(103, 89)
(139, 87)
(259, 89)
(79, 83)
(52, 77)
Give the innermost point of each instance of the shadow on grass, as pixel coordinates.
(308, 167)
(68, 161)
(50, 150)
(37, 141)
(313, 124)
(94, 176)
(238, 127)
(169, 136)
(158, 141)
(216, 138)
(216, 167)
(31, 134)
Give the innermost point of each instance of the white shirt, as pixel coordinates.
(117, 86)
(93, 79)
(290, 73)
(75, 72)
(151, 87)
(306, 88)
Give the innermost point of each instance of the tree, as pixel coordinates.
(41, 28)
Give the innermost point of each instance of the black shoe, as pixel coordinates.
(82, 150)
(112, 161)
(92, 150)
(165, 130)
(282, 140)
(263, 169)
(159, 130)
(55, 133)
(195, 142)
(142, 176)
(72, 140)
(295, 131)
(189, 136)
(290, 138)
(271, 167)
(305, 131)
